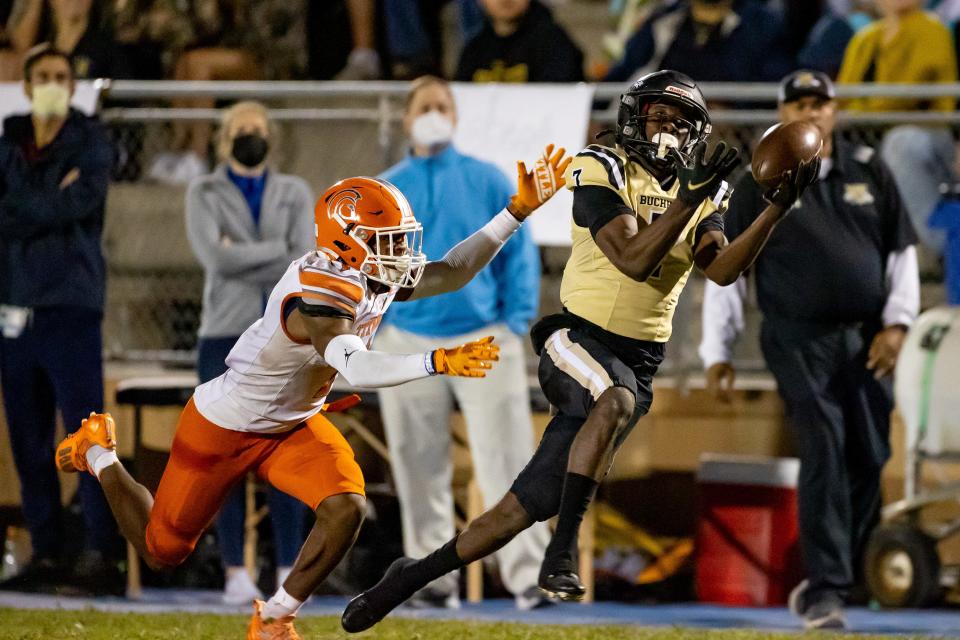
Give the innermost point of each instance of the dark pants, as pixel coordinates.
(841, 418)
(56, 363)
(287, 514)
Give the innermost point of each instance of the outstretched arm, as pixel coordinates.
(723, 262)
(472, 254)
(333, 337)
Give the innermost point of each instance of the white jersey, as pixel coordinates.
(274, 382)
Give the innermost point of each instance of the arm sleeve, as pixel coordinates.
(38, 203)
(594, 207)
(713, 222)
(374, 369)
(722, 321)
(233, 260)
(466, 259)
(903, 286)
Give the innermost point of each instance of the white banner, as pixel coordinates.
(503, 123)
(14, 100)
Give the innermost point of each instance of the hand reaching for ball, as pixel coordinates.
(787, 161)
(793, 186)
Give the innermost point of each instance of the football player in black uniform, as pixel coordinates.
(645, 211)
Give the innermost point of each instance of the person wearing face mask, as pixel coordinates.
(55, 165)
(453, 194)
(834, 319)
(246, 223)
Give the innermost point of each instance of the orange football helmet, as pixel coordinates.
(369, 225)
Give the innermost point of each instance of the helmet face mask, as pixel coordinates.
(367, 224)
(394, 254)
(682, 122)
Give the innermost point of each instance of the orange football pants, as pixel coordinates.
(311, 463)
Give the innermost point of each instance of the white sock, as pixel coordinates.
(99, 458)
(281, 605)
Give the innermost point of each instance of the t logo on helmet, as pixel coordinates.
(343, 205)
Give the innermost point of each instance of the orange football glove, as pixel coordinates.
(470, 360)
(536, 187)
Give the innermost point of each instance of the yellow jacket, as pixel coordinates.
(922, 52)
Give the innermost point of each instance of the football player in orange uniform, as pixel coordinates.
(264, 415)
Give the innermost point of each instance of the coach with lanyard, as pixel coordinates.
(838, 287)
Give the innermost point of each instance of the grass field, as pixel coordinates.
(89, 625)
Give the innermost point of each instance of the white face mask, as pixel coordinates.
(50, 100)
(432, 130)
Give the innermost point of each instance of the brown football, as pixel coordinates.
(782, 149)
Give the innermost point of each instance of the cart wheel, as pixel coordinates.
(902, 566)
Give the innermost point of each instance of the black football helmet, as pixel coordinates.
(661, 87)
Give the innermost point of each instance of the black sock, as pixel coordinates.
(578, 491)
(437, 564)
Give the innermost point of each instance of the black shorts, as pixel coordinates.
(578, 362)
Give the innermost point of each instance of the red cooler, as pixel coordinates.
(748, 551)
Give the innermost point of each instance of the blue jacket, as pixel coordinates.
(50, 236)
(453, 195)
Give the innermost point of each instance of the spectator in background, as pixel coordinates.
(54, 171)
(346, 40)
(10, 60)
(363, 63)
(520, 42)
(908, 45)
(824, 48)
(156, 33)
(246, 224)
(799, 18)
(831, 346)
(452, 194)
(76, 27)
(414, 34)
(215, 52)
(710, 40)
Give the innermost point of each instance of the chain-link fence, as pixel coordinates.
(325, 131)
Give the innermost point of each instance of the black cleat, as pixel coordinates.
(563, 584)
(373, 605)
